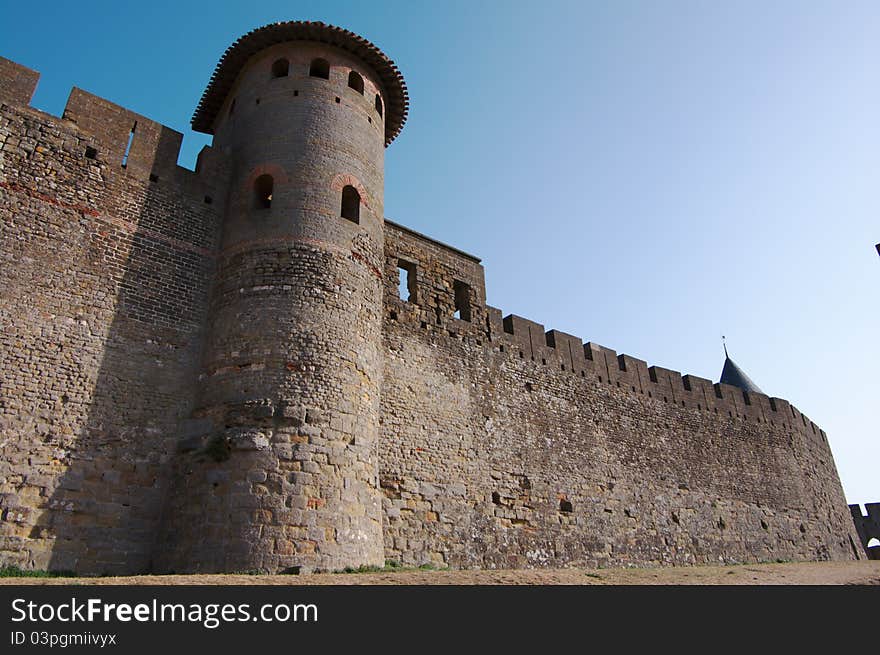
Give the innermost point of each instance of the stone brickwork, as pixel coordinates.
(507, 446)
(214, 371)
(293, 362)
(104, 278)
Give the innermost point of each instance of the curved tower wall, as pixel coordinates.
(292, 367)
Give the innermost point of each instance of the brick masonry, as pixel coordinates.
(191, 381)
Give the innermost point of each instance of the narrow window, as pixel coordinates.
(356, 82)
(263, 192)
(462, 300)
(566, 506)
(351, 204)
(128, 146)
(280, 68)
(91, 153)
(320, 68)
(406, 288)
(378, 104)
(232, 107)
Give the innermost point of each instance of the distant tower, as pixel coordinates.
(734, 375)
(293, 364)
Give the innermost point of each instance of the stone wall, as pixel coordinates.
(505, 446)
(104, 275)
(136, 328)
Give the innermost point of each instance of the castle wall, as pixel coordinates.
(188, 382)
(103, 270)
(505, 446)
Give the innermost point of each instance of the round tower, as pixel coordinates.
(292, 364)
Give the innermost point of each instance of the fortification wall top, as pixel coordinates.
(17, 82)
(430, 241)
(237, 55)
(128, 142)
(436, 266)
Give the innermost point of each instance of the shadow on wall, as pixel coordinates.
(868, 527)
(143, 274)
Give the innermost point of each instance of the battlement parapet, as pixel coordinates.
(569, 354)
(128, 142)
(435, 265)
(553, 412)
(17, 82)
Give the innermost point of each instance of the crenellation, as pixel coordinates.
(569, 350)
(606, 364)
(528, 335)
(668, 383)
(636, 371)
(210, 370)
(154, 148)
(17, 83)
(760, 404)
(495, 325)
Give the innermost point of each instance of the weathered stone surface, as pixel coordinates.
(192, 381)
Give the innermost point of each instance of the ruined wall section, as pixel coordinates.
(104, 275)
(503, 445)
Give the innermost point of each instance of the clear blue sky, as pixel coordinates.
(646, 175)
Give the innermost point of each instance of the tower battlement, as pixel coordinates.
(215, 370)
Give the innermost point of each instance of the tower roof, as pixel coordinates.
(733, 374)
(236, 56)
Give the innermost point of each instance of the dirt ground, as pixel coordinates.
(792, 573)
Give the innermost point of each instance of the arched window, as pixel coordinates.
(320, 68)
(351, 204)
(263, 192)
(356, 82)
(280, 68)
(378, 104)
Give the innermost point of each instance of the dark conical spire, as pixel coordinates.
(733, 374)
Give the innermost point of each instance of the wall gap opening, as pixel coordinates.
(128, 145)
(406, 287)
(462, 300)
